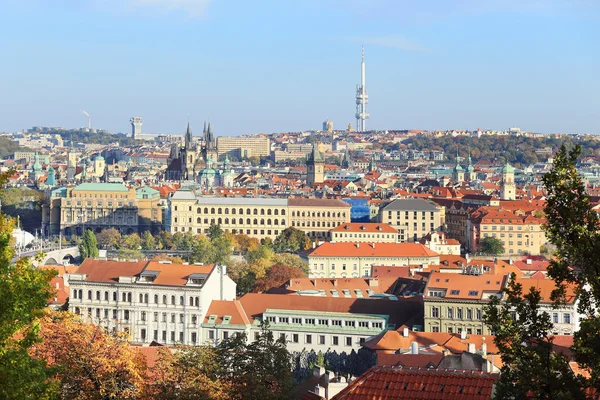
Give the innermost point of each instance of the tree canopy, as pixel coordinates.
(88, 246)
(491, 246)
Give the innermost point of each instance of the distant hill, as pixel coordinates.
(8, 147)
(518, 150)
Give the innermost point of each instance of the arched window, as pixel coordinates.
(241, 211)
(262, 221)
(205, 210)
(248, 212)
(255, 221)
(227, 211)
(276, 212)
(155, 299)
(269, 211)
(219, 221)
(269, 221)
(276, 221)
(164, 299)
(199, 210)
(282, 212)
(283, 222)
(97, 295)
(344, 214)
(197, 302)
(233, 210)
(146, 298)
(303, 214)
(198, 220)
(105, 296)
(181, 300)
(114, 295)
(173, 300)
(313, 214)
(262, 211)
(206, 221)
(318, 215)
(248, 221)
(141, 298)
(191, 301)
(220, 211)
(256, 211)
(328, 213)
(212, 221)
(129, 297)
(89, 294)
(293, 213)
(232, 221)
(226, 221)
(338, 214)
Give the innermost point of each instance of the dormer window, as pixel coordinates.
(226, 319)
(196, 279)
(148, 276)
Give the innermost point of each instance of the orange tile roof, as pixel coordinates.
(109, 271)
(459, 286)
(234, 309)
(376, 285)
(365, 227)
(169, 274)
(545, 287)
(348, 249)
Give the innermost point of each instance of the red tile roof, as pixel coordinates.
(398, 383)
(347, 249)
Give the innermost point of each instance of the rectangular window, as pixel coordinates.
(450, 313)
(308, 339)
(194, 337)
(155, 319)
(348, 341)
(567, 318)
(335, 340)
(155, 337)
(435, 329)
(321, 339)
(459, 313)
(297, 321)
(143, 334)
(172, 336)
(555, 318)
(478, 314)
(225, 335)
(164, 336)
(211, 334)
(469, 313)
(479, 331)
(295, 338)
(363, 324)
(435, 312)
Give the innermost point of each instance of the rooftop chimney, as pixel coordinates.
(463, 334)
(405, 332)
(472, 348)
(484, 349)
(414, 348)
(373, 244)
(529, 261)
(357, 245)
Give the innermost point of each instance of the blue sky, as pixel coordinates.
(282, 65)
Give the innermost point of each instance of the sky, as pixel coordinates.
(254, 66)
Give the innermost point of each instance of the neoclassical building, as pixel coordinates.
(260, 218)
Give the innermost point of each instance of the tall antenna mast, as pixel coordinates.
(89, 120)
(362, 98)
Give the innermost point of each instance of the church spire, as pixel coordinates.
(188, 136)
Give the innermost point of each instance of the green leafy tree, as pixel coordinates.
(109, 238)
(202, 250)
(24, 292)
(131, 241)
(572, 226)
(165, 240)
(532, 369)
(291, 240)
(148, 241)
(222, 250)
(88, 247)
(491, 246)
(261, 369)
(215, 231)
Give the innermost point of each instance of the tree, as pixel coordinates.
(491, 246)
(246, 243)
(277, 275)
(132, 241)
(531, 368)
(202, 250)
(215, 231)
(165, 240)
(24, 292)
(222, 250)
(189, 373)
(572, 226)
(291, 260)
(109, 238)
(261, 369)
(148, 241)
(87, 362)
(291, 240)
(88, 247)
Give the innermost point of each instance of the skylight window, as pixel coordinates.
(473, 292)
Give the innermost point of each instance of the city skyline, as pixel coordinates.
(270, 67)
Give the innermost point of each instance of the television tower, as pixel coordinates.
(362, 98)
